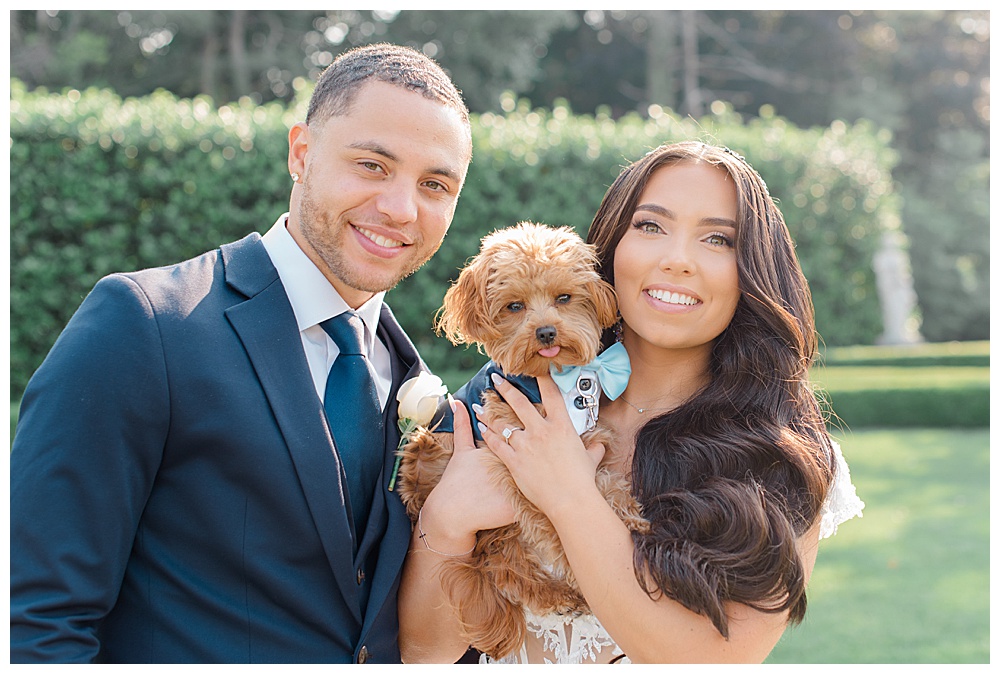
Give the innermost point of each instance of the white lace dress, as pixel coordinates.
(567, 640)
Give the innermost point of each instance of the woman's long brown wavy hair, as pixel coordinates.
(732, 477)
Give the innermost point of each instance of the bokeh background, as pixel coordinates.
(140, 138)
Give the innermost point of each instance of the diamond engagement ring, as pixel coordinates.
(507, 432)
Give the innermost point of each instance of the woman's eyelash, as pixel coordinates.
(644, 224)
(726, 239)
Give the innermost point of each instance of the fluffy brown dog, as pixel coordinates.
(531, 298)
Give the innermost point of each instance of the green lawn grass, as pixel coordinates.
(908, 582)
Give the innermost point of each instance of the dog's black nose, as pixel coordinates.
(546, 335)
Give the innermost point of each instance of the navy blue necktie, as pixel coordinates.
(355, 415)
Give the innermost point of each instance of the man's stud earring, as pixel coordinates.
(295, 177)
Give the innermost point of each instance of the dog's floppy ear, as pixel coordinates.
(464, 317)
(605, 301)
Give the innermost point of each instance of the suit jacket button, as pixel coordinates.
(361, 576)
(363, 655)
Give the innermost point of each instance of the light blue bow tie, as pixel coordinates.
(612, 368)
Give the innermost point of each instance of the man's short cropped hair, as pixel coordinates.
(393, 64)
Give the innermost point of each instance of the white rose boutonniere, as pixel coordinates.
(418, 399)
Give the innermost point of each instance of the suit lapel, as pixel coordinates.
(396, 540)
(265, 324)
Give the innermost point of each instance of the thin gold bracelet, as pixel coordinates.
(423, 537)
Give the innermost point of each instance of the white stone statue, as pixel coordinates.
(895, 292)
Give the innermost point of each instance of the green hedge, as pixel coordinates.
(912, 408)
(100, 184)
(906, 396)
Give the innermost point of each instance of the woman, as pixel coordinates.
(719, 430)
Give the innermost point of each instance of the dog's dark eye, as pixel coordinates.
(515, 307)
(563, 299)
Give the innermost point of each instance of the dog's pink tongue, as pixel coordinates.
(549, 352)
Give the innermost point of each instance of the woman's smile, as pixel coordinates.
(672, 298)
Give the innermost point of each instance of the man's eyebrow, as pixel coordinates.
(669, 214)
(378, 148)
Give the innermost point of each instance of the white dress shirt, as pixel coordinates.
(313, 301)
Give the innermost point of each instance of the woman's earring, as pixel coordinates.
(618, 328)
(295, 177)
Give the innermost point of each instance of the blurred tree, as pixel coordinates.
(683, 60)
(925, 75)
(223, 54)
(602, 63)
(230, 54)
(40, 40)
(486, 52)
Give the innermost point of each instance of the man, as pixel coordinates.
(178, 491)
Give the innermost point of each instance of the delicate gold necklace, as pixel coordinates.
(642, 410)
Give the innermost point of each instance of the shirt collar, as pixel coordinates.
(311, 295)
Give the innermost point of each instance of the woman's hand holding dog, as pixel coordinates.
(546, 457)
(465, 500)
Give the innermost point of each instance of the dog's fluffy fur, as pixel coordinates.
(527, 281)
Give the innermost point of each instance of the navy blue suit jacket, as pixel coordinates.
(176, 494)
